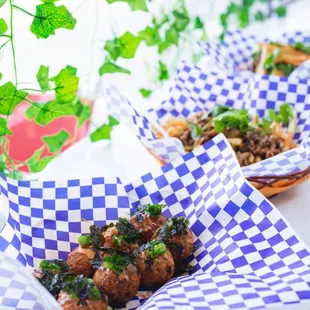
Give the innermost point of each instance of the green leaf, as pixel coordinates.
(284, 115)
(265, 126)
(56, 142)
(52, 110)
(33, 110)
(287, 69)
(150, 36)
(72, 70)
(2, 2)
(135, 5)
(84, 114)
(42, 77)
(4, 128)
(244, 17)
(36, 164)
(3, 26)
(10, 97)
(129, 44)
(232, 119)
(47, 20)
(259, 16)
(181, 21)
(270, 61)
(145, 92)
(281, 11)
(104, 132)
(162, 47)
(66, 85)
(198, 23)
(155, 249)
(302, 47)
(64, 11)
(110, 67)
(113, 48)
(195, 130)
(163, 72)
(1, 76)
(172, 36)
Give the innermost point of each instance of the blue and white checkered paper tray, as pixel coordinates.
(193, 90)
(246, 255)
(234, 55)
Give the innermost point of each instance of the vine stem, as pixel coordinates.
(24, 11)
(4, 44)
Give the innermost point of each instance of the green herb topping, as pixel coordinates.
(155, 249)
(153, 210)
(220, 109)
(234, 119)
(54, 265)
(117, 240)
(116, 262)
(270, 61)
(95, 238)
(82, 288)
(196, 131)
(284, 115)
(175, 226)
(302, 47)
(127, 231)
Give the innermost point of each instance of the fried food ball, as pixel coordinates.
(123, 236)
(79, 261)
(118, 279)
(147, 219)
(177, 236)
(155, 264)
(75, 304)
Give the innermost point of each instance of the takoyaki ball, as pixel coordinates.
(155, 264)
(75, 304)
(81, 293)
(123, 236)
(79, 261)
(177, 236)
(147, 219)
(117, 278)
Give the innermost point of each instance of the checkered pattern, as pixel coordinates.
(245, 253)
(20, 290)
(194, 91)
(235, 54)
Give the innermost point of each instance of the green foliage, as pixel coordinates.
(198, 23)
(172, 35)
(42, 78)
(124, 46)
(259, 16)
(3, 26)
(55, 142)
(4, 127)
(10, 97)
(83, 114)
(66, 85)
(104, 132)
(71, 20)
(163, 72)
(145, 92)
(36, 163)
(281, 11)
(150, 36)
(109, 67)
(135, 5)
(48, 18)
(2, 2)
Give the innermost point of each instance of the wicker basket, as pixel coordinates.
(267, 185)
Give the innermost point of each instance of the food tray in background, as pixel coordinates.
(246, 255)
(194, 91)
